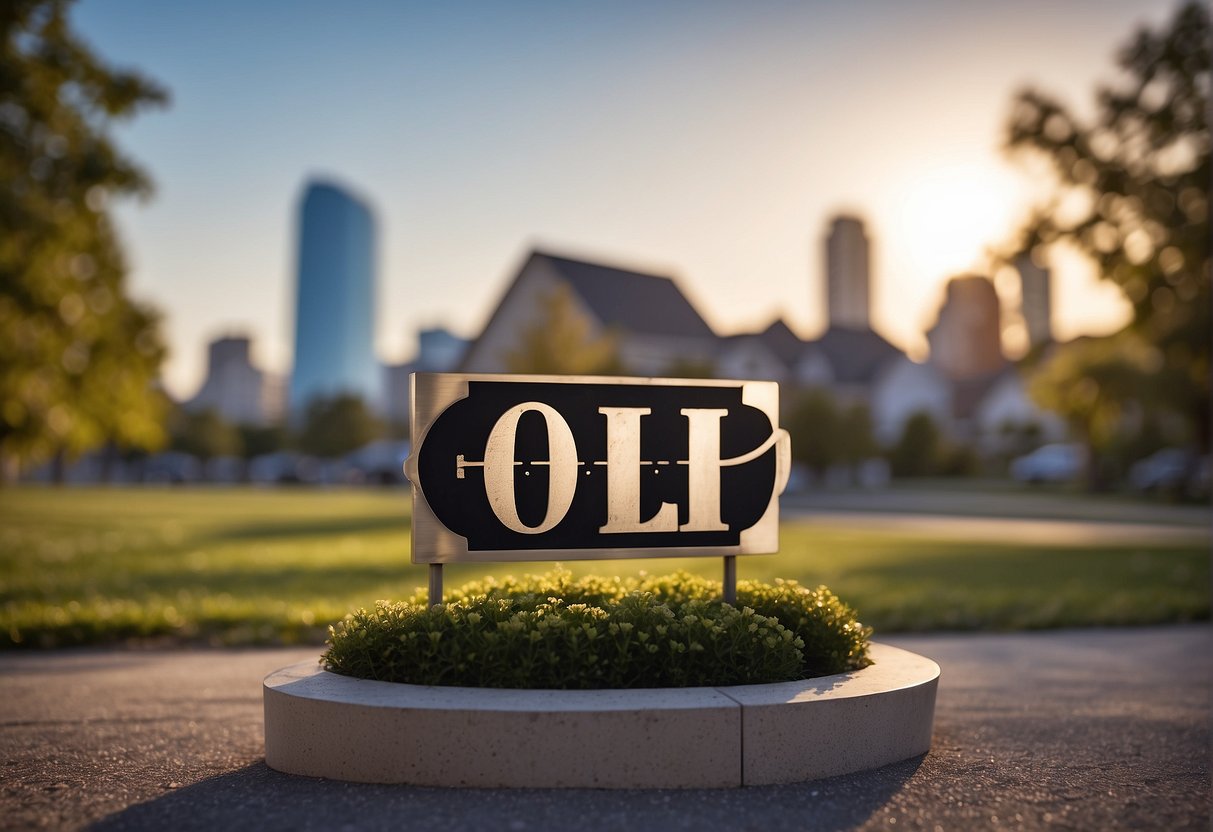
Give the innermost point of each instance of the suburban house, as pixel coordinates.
(903, 388)
(657, 326)
(844, 359)
(1004, 405)
(659, 332)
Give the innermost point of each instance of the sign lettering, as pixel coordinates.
(499, 465)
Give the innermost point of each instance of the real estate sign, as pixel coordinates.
(572, 468)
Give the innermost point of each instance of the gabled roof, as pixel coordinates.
(855, 355)
(635, 302)
(783, 342)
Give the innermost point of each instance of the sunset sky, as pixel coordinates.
(711, 141)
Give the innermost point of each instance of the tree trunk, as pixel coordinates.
(10, 469)
(59, 467)
(108, 455)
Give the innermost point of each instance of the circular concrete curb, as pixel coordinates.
(320, 724)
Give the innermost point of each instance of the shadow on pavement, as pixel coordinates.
(257, 797)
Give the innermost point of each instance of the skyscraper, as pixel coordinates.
(335, 299)
(1035, 303)
(966, 341)
(847, 274)
(234, 388)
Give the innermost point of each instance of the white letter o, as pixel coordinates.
(499, 468)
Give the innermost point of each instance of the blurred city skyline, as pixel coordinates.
(711, 142)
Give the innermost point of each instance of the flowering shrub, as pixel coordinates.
(552, 631)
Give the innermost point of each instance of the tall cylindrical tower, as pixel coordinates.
(848, 277)
(335, 299)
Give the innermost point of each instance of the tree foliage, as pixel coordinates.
(918, 450)
(337, 425)
(256, 440)
(814, 426)
(691, 368)
(1131, 192)
(205, 434)
(856, 442)
(563, 342)
(1104, 389)
(78, 357)
(825, 434)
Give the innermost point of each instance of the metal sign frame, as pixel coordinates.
(435, 544)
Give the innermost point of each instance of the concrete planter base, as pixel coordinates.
(320, 724)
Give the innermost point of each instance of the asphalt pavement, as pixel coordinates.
(1096, 729)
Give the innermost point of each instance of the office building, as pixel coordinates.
(335, 299)
(1036, 304)
(848, 275)
(966, 340)
(234, 388)
(438, 351)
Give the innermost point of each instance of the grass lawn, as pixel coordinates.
(241, 566)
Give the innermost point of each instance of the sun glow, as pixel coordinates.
(942, 219)
(950, 214)
(949, 219)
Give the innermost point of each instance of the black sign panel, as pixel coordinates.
(529, 468)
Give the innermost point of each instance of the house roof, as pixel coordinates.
(633, 301)
(783, 342)
(651, 304)
(855, 355)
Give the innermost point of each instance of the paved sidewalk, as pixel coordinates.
(1024, 531)
(1097, 729)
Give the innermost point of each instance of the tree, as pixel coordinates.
(855, 441)
(691, 368)
(814, 426)
(957, 459)
(917, 451)
(78, 358)
(1018, 438)
(1099, 386)
(205, 434)
(337, 425)
(257, 440)
(1131, 192)
(562, 342)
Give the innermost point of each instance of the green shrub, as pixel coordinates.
(552, 631)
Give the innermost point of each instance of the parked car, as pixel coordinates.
(381, 462)
(174, 467)
(283, 468)
(224, 469)
(1059, 462)
(1171, 469)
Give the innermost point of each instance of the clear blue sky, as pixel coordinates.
(710, 140)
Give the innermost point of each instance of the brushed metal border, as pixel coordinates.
(432, 542)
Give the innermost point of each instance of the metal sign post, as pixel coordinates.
(435, 584)
(730, 579)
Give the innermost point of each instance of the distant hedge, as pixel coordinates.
(551, 631)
